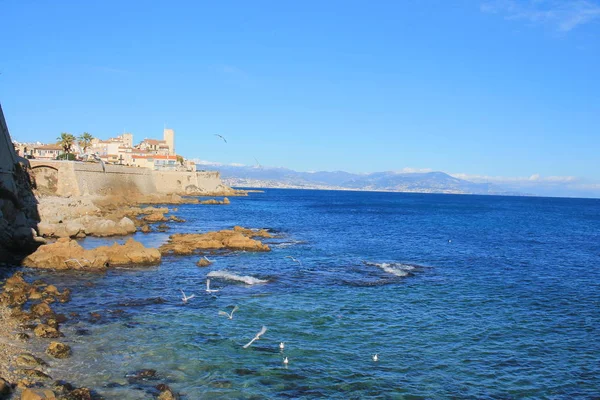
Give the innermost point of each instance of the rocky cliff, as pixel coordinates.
(18, 205)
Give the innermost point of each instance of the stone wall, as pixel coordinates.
(18, 206)
(69, 178)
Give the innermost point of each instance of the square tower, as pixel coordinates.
(169, 138)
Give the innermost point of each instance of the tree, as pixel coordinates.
(85, 140)
(66, 140)
(180, 160)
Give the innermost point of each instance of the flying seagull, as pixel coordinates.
(186, 298)
(229, 315)
(221, 136)
(99, 160)
(294, 259)
(208, 289)
(258, 335)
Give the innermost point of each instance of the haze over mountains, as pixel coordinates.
(420, 182)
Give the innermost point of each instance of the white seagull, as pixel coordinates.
(258, 335)
(375, 357)
(294, 259)
(208, 289)
(216, 134)
(186, 298)
(229, 315)
(281, 346)
(286, 361)
(206, 258)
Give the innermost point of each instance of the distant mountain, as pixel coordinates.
(419, 182)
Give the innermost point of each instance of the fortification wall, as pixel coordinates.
(68, 178)
(18, 206)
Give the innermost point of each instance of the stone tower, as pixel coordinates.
(169, 137)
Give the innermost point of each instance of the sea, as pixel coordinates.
(460, 296)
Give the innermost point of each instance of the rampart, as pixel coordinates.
(72, 178)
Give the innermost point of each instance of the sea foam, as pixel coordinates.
(248, 280)
(397, 269)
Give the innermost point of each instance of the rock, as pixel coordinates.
(46, 331)
(58, 350)
(127, 225)
(33, 373)
(68, 254)
(79, 394)
(226, 201)
(146, 228)
(155, 217)
(203, 262)
(51, 290)
(252, 232)
(37, 394)
(162, 228)
(23, 336)
(26, 360)
(142, 375)
(62, 387)
(5, 388)
(225, 239)
(165, 392)
(176, 219)
(41, 310)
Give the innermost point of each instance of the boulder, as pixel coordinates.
(42, 310)
(5, 388)
(46, 331)
(165, 392)
(68, 254)
(127, 225)
(26, 360)
(33, 373)
(188, 243)
(59, 350)
(155, 217)
(203, 262)
(79, 394)
(146, 228)
(37, 394)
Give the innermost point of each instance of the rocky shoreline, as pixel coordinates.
(26, 313)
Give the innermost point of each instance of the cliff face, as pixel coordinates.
(18, 205)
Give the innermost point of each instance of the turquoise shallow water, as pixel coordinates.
(461, 297)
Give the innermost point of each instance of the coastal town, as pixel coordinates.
(154, 154)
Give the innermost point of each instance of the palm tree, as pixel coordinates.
(85, 140)
(66, 140)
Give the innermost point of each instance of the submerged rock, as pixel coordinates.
(59, 350)
(68, 254)
(46, 331)
(5, 387)
(155, 217)
(33, 373)
(237, 239)
(27, 360)
(203, 262)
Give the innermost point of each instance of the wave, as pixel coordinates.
(288, 243)
(248, 280)
(397, 269)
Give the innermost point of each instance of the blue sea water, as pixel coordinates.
(460, 296)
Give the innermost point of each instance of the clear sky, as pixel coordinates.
(500, 89)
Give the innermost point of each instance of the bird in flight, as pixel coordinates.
(186, 298)
(229, 315)
(258, 335)
(294, 259)
(208, 289)
(221, 136)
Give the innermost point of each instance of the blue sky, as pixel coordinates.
(490, 90)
